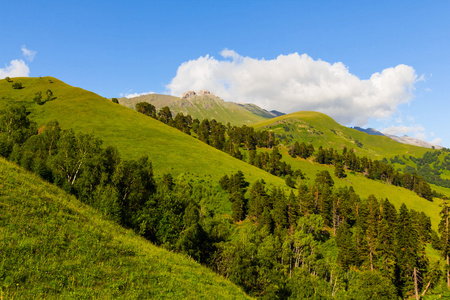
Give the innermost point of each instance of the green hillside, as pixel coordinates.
(321, 130)
(204, 107)
(53, 246)
(48, 241)
(133, 133)
(365, 187)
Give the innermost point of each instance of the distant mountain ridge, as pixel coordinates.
(205, 105)
(403, 139)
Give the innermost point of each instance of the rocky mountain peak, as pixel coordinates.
(204, 92)
(190, 94)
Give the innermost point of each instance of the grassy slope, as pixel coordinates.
(53, 246)
(134, 134)
(316, 128)
(203, 107)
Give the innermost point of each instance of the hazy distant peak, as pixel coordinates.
(404, 139)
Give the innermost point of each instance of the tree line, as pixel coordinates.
(231, 138)
(373, 169)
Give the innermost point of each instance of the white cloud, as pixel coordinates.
(296, 82)
(127, 95)
(404, 130)
(29, 54)
(16, 68)
(437, 141)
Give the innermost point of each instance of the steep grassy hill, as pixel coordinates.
(133, 133)
(321, 130)
(204, 107)
(53, 246)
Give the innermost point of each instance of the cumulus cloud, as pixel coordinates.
(16, 68)
(296, 82)
(128, 95)
(29, 54)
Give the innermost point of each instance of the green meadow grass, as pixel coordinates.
(53, 246)
(133, 133)
(321, 130)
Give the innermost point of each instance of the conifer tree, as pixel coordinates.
(372, 228)
(339, 170)
(347, 254)
(408, 251)
(444, 230)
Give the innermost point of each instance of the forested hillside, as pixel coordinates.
(280, 220)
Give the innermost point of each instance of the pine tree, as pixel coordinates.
(339, 170)
(238, 206)
(372, 228)
(408, 251)
(444, 230)
(347, 254)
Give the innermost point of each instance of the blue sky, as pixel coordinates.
(284, 55)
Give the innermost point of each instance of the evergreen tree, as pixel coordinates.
(409, 252)
(339, 170)
(347, 254)
(165, 115)
(146, 109)
(444, 230)
(238, 206)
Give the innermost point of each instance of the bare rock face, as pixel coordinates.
(204, 92)
(188, 94)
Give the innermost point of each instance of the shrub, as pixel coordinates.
(38, 98)
(17, 85)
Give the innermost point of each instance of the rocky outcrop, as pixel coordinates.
(204, 92)
(190, 94)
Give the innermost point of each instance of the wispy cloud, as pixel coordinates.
(133, 95)
(437, 141)
(29, 54)
(414, 130)
(404, 130)
(16, 68)
(296, 82)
